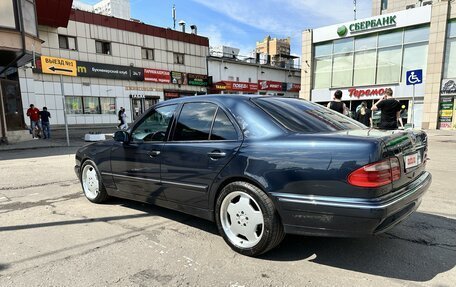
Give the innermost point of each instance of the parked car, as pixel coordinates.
(261, 167)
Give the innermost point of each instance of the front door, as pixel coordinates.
(12, 105)
(136, 164)
(203, 142)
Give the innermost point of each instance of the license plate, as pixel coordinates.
(412, 160)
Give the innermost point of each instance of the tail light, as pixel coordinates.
(376, 174)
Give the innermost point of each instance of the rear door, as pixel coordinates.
(203, 142)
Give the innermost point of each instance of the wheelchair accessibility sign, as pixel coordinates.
(414, 77)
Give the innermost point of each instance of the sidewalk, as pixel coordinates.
(58, 139)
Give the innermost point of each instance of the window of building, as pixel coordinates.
(388, 39)
(179, 58)
(223, 128)
(389, 65)
(449, 69)
(29, 16)
(73, 105)
(342, 70)
(425, 3)
(230, 78)
(415, 57)
(384, 4)
(411, 6)
(414, 35)
(322, 74)
(108, 105)
(365, 43)
(237, 79)
(194, 123)
(67, 42)
(147, 54)
(364, 68)
(323, 49)
(91, 105)
(7, 14)
(103, 47)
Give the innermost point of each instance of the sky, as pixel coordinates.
(241, 23)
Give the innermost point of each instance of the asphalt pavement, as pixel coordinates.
(50, 235)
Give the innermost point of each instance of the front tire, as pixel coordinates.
(247, 219)
(91, 183)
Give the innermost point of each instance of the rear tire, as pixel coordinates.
(91, 182)
(247, 219)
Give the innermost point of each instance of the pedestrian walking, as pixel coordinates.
(35, 125)
(364, 115)
(391, 111)
(124, 125)
(337, 105)
(45, 116)
(119, 117)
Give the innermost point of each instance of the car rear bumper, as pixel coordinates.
(349, 217)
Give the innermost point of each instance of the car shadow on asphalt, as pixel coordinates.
(417, 250)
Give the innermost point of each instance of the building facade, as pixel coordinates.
(120, 63)
(232, 76)
(366, 56)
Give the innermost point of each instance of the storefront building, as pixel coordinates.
(364, 57)
(120, 63)
(232, 76)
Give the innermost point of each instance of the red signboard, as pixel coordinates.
(357, 93)
(157, 76)
(236, 86)
(293, 87)
(270, 85)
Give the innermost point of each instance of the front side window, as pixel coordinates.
(194, 123)
(154, 126)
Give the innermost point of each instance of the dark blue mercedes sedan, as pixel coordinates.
(261, 167)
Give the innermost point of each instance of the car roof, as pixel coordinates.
(218, 97)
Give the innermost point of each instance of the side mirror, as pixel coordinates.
(121, 136)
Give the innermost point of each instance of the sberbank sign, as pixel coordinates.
(366, 25)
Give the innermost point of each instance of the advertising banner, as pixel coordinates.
(107, 71)
(446, 112)
(197, 80)
(271, 86)
(448, 87)
(178, 78)
(157, 76)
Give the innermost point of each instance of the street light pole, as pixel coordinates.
(64, 111)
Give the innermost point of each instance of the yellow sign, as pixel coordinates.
(446, 113)
(58, 66)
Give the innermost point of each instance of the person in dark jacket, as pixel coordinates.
(364, 115)
(337, 105)
(120, 118)
(391, 111)
(45, 116)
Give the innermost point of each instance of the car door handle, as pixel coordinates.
(154, 153)
(216, 154)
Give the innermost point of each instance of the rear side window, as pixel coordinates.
(195, 122)
(223, 129)
(306, 117)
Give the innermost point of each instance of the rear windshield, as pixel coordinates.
(306, 117)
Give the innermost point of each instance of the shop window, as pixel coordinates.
(322, 73)
(451, 29)
(364, 70)
(108, 106)
(342, 70)
(390, 39)
(324, 49)
(67, 42)
(103, 47)
(415, 57)
(7, 14)
(73, 105)
(147, 54)
(389, 62)
(420, 34)
(91, 105)
(366, 43)
(343, 45)
(179, 58)
(449, 70)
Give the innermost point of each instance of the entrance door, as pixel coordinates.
(12, 105)
(136, 107)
